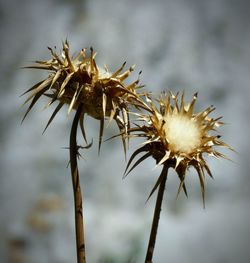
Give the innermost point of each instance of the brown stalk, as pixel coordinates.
(156, 218)
(79, 228)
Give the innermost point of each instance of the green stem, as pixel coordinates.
(79, 228)
(156, 218)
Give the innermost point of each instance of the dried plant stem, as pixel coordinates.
(79, 228)
(156, 218)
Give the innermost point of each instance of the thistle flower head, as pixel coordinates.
(178, 137)
(79, 82)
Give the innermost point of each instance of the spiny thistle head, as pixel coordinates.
(79, 82)
(178, 137)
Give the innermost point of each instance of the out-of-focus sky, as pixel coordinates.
(190, 45)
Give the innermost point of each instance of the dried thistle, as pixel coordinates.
(88, 89)
(79, 82)
(176, 137)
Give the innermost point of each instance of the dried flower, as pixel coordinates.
(79, 82)
(178, 138)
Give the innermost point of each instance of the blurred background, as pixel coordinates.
(189, 45)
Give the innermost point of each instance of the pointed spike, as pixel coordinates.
(114, 136)
(191, 105)
(65, 82)
(104, 104)
(82, 127)
(88, 145)
(124, 146)
(96, 70)
(182, 109)
(178, 160)
(181, 171)
(111, 116)
(128, 127)
(91, 59)
(43, 66)
(163, 174)
(144, 157)
(208, 170)
(66, 52)
(179, 189)
(100, 134)
(123, 133)
(74, 99)
(33, 87)
(135, 153)
(203, 114)
(41, 88)
(72, 103)
(185, 190)
(182, 184)
(114, 75)
(176, 102)
(125, 74)
(218, 154)
(55, 56)
(113, 112)
(66, 42)
(55, 78)
(165, 157)
(167, 105)
(202, 182)
(35, 99)
(59, 106)
(53, 99)
(125, 119)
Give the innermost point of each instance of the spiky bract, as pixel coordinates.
(79, 82)
(178, 137)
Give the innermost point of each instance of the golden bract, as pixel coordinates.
(79, 82)
(178, 137)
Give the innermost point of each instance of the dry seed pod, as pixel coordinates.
(79, 82)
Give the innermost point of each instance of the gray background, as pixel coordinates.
(189, 45)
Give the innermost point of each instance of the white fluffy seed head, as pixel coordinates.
(182, 133)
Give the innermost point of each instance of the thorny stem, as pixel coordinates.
(156, 218)
(79, 228)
